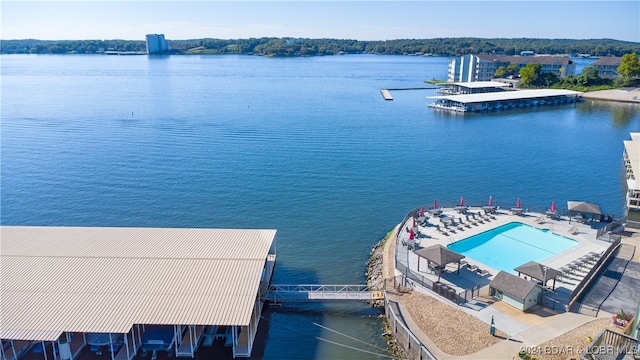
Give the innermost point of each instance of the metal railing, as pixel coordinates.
(610, 226)
(419, 279)
(580, 290)
(610, 345)
(414, 348)
(310, 292)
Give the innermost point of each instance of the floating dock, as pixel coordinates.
(386, 94)
(504, 100)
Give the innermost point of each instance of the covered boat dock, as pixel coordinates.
(62, 284)
(472, 87)
(504, 100)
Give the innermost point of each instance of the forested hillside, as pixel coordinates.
(312, 47)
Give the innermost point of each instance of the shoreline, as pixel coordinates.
(376, 273)
(624, 95)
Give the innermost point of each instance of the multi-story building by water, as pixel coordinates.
(482, 67)
(156, 44)
(631, 158)
(607, 66)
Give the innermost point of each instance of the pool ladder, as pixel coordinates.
(451, 240)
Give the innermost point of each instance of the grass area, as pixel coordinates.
(586, 88)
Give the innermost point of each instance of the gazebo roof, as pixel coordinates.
(512, 284)
(583, 207)
(536, 271)
(439, 255)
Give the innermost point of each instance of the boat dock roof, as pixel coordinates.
(99, 279)
(505, 95)
(477, 84)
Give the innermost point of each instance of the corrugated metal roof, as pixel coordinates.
(57, 279)
(505, 95)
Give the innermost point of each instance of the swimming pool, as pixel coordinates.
(511, 245)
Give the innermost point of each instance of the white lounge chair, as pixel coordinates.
(574, 230)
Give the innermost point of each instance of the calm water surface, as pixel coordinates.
(306, 146)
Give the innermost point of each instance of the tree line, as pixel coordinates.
(268, 46)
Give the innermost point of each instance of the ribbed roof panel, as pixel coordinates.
(59, 283)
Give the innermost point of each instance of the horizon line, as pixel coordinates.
(330, 38)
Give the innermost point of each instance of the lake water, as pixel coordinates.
(306, 146)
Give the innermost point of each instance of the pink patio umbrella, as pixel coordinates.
(518, 203)
(414, 223)
(490, 200)
(411, 235)
(435, 203)
(422, 211)
(461, 201)
(553, 206)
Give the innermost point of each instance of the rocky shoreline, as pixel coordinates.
(375, 281)
(375, 271)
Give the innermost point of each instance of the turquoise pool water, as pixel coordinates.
(511, 245)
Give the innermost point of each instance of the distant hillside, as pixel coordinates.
(312, 47)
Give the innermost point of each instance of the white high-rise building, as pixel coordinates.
(156, 44)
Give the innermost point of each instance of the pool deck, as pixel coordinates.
(583, 234)
(523, 328)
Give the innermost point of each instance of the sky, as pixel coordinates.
(359, 20)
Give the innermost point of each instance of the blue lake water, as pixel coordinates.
(511, 245)
(306, 146)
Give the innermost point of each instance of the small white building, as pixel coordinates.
(515, 291)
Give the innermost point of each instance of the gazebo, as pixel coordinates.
(439, 255)
(583, 207)
(539, 272)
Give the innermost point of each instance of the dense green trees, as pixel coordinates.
(530, 73)
(310, 47)
(629, 66)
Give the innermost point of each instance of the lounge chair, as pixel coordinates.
(483, 272)
(541, 219)
(574, 230)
